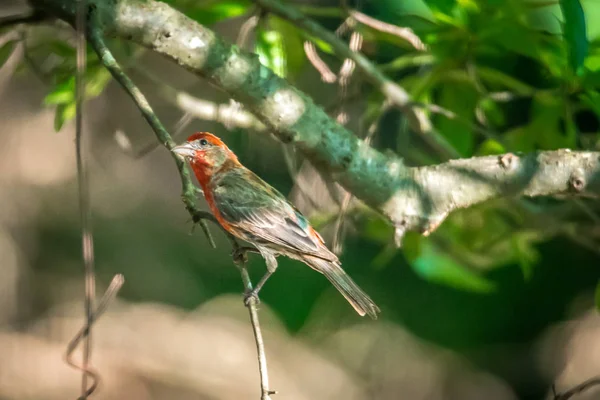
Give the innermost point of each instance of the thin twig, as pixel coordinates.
(109, 295)
(188, 192)
(317, 62)
(345, 75)
(327, 74)
(84, 199)
(240, 260)
(577, 389)
(404, 33)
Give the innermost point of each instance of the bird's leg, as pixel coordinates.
(240, 253)
(271, 262)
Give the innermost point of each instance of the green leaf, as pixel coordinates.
(592, 13)
(490, 147)
(292, 44)
(64, 113)
(592, 100)
(377, 230)
(459, 134)
(575, 33)
(504, 81)
(270, 50)
(63, 93)
(96, 82)
(437, 267)
(6, 50)
(212, 11)
(527, 255)
(321, 45)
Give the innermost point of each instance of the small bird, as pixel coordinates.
(252, 210)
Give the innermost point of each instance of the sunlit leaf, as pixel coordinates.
(437, 267)
(490, 147)
(96, 82)
(320, 44)
(62, 93)
(212, 11)
(575, 33)
(292, 44)
(269, 47)
(64, 113)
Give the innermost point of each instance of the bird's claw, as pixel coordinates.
(239, 255)
(249, 296)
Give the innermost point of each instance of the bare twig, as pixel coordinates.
(345, 76)
(327, 74)
(577, 389)
(109, 295)
(240, 258)
(84, 199)
(247, 29)
(188, 192)
(404, 33)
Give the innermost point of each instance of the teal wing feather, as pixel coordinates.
(264, 215)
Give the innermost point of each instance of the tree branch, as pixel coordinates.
(411, 198)
(391, 90)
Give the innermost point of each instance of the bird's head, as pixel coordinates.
(205, 151)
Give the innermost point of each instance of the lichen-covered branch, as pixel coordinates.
(412, 198)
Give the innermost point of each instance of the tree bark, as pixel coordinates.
(416, 198)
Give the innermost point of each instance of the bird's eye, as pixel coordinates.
(203, 142)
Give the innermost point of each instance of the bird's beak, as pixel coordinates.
(184, 150)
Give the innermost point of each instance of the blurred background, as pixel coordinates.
(496, 304)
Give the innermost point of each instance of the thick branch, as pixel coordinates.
(412, 198)
(391, 90)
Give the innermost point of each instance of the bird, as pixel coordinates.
(252, 210)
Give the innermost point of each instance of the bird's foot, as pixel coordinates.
(239, 255)
(250, 297)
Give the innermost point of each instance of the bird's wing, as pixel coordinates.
(248, 203)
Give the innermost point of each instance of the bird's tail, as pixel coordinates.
(361, 301)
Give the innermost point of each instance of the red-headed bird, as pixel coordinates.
(252, 210)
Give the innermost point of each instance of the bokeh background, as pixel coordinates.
(497, 304)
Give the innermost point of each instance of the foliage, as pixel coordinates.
(526, 73)
(518, 75)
